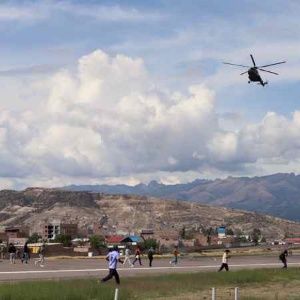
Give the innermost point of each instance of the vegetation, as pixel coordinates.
(253, 284)
(34, 238)
(150, 243)
(66, 240)
(256, 236)
(97, 241)
(229, 231)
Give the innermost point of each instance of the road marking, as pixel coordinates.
(143, 269)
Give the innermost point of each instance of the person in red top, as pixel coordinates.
(137, 256)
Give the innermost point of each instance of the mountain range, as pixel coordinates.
(277, 194)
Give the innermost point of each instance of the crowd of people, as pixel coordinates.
(113, 257)
(24, 254)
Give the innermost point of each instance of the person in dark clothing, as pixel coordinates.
(283, 255)
(225, 258)
(113, 257)
(150, 256)
(137, 256)
(25, 256)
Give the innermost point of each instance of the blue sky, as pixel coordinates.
(181, 44)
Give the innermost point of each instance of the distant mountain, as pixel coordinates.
(34, 207)
(154, 188)
(277, 194)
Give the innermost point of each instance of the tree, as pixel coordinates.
(182, 232)
(229, 231)
(66, 240)
(34, 238)
(208, 240)
(97, 241)
(150, 243)
(255, 235)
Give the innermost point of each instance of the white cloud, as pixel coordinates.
(22, 12)
(113, 13)
(36, 11)
(107, 120)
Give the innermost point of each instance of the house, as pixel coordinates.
(114, 239)
(221, 232)
(16, 232)
(292, 241)
(147, 233)
(132, 239)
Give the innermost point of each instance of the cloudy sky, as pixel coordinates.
(130, 91)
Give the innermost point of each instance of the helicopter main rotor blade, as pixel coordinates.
(244, 73)
(226, 63)
(267, 71)
(253, 60)
(278, 63)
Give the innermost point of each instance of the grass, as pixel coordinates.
(254, 284)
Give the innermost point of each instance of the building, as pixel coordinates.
(18, 241)
(16, 232)
(132, 240)
(52, 230)
(147, 234)
(289, 241)
(113, 240)
(221, 232)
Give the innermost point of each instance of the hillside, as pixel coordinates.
(122, 213)
(277, 195)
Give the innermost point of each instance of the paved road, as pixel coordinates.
(72, 268)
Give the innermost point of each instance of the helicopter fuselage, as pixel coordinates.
(254, 76)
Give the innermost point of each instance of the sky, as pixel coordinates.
(132, 91)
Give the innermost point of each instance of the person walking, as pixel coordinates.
(41, 259)
(174, 261)
(225, 258)
(150, 256)
(12, 253)
(127, 257)
(113, 257)
(137, 256)
(2, 252)
(283, 257)
(25, 256)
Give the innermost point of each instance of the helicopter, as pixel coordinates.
(253, 73)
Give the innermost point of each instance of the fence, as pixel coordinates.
(214, 294)
(233, 293)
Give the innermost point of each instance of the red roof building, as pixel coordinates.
(114, 239)
(292, 241)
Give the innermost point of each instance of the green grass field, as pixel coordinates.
(253, 284)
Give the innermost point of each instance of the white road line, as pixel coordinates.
(143, 269)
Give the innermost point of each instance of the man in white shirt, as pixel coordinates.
(113, 258)
(127, 257)
(225, 258)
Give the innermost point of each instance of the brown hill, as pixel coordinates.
(122, 213)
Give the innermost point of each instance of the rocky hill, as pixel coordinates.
(34, 206)
(277, 195)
